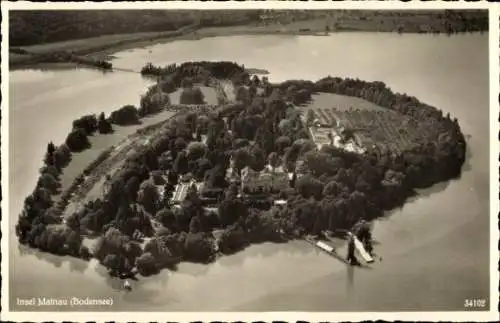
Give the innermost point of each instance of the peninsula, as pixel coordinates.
(221, 159)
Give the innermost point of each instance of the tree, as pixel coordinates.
(310, 117)
(153, 101)
(240, 143)
(333, 188)
(157, 177)
(242, 158)
(230, 210)
(308, 186)
(203, 165)
(167, 218)
(192, 95)
(126, 115)
(42, 198)
(49, 155)
(259, 158)
(104, 125)
(195, 225)
(73, 221)
(48, 182)
(302, 146)
(242, 94)
(112, 262)
(180, 144)
(231, 191)
(163, 232)
(217, 177)
(195, 150)
(77, 140)
(198, 247)
(149, 197)
(274, 159)
(146, 264)
(281, 143)
(321, 163)
(74, 242)
(62, 156)
(181, 164)
(124, 213)
(265, 138)
(87, 123)
(51, 170)
(187, 82)
(255, 80)
(173, 177)
(232, 239)
(132, 187)
(285, 126)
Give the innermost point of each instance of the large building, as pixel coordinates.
(268, 180)
(321, 136)
(182, 189)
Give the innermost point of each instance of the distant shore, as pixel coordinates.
(103, 47)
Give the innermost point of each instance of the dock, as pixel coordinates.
(325, 248)
(360, 248)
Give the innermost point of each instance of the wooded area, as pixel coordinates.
(37, 27)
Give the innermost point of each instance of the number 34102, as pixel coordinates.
(475, 303)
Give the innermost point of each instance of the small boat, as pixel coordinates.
(127, 286)
(326, 248)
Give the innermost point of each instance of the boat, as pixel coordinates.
(360, 248)
(326, 248)
(127, 286)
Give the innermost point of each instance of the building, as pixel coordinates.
(321, 136)
(300, 167)
(182, 189)
(268, 180)
(231, 173)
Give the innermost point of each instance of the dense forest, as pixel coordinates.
(332, 191)
(36, 27)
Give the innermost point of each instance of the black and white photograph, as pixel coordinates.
(167, 161)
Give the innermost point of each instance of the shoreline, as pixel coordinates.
(96, 51)
(278, 229)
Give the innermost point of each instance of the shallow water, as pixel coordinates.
(435, 249)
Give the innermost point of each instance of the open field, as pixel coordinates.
(341, 102)
(209, 93)
(372, 125)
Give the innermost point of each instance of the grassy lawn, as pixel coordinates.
(340, 102)
(208, 92)
(99, 144)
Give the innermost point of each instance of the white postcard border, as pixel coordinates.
(494, 55)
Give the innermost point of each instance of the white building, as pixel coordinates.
(268, 180)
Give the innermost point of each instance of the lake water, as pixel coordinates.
(435, 249)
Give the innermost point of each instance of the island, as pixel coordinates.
(219, 159)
